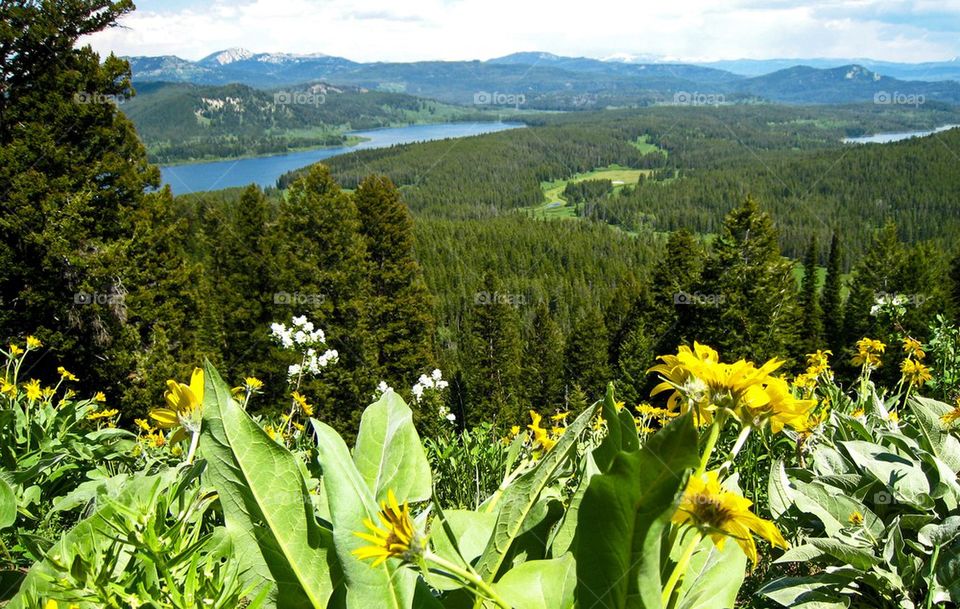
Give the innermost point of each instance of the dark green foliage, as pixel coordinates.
(586, 360)
(400, 306)
(543, 361)
(749, 289)
(831, 300)
(811, 320)
(88, 262)
(492, 357)
(320, 256)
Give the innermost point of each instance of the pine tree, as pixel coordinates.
(811, 325)
(401, 315)
(492, 360)
(321, 264)
(162, 301)
(543, 362)
(831, 303)
(76, 265)
(752, 286)
(674, 318)
(954, 283)
(586, 360)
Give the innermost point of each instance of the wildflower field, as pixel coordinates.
(736, 485)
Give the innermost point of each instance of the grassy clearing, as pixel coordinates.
(556, 207)
(645, 147)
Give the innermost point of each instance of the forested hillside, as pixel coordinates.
(182, 122)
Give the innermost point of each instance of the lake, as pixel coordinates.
(264, 170)
(886, 138)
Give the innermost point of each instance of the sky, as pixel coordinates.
(413, 30)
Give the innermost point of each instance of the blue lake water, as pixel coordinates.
(886, 138)
(264, 170)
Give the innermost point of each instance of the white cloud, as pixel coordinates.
(370, 30)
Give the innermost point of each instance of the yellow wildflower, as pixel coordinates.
(721, 513)
(856, 518)
(395, 536)
(301, 401)
(561, 417)
(540, 434)
(859, 412)
(15, 350)
(868, 354)
(99, 397)
(953, 415)
(66, 375)
(33, 342)
(7, 388)
(102, 414)
(914, 372)
(143, 425)
(184, 403)
(913, 348)
(33, 390)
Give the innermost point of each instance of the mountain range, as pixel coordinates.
(547, 81)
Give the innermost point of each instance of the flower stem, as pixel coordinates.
(194, 441)
(679, 569)
(708, 447)
(481, 587)
(737, 446)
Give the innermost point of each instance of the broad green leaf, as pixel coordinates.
(778, 490)
(563, 536)
(623, 517)
(266, 507)
(941, 442)
(540, 584)
(621, 432)
(834, 509)
(519, 499)
(460, 537)
(857, 557)
(387, 586)
(389, 454)
(901, 475)
(802, 553)
(817, 592)
(940, 534)
(89, 537)
(8, 505)
(713, 577)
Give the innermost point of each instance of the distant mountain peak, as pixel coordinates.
(858, 72)
(227, 56)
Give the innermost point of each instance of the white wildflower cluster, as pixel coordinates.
(381, 389)
(304, 338)
(889, 303)
(433, 383)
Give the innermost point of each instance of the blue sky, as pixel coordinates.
(692, 30)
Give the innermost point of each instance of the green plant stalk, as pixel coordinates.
(931, 577)
(679, 570)
(194, 442)
(708, 447)
(737, 446)
(481, 588)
